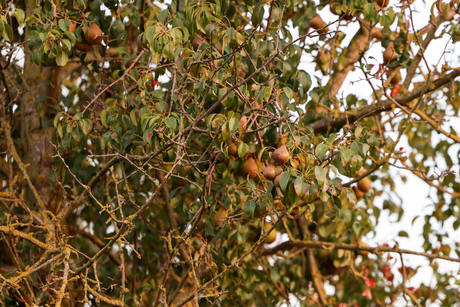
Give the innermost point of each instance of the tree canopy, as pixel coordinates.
(180, 154)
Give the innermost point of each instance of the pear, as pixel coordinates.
(317, 22)
(249, 168)
(281, 155)
(359, 194)
(389, 53)
(364, 185)
(94, 36)
(198, 40)
(277, 180)
(382, 3)
(83, 47)
(396, 78)
(244, 121)
(377, 34)
(72, 27)
(220, 216)
(270, 172)
(272, 235)
(232, 149)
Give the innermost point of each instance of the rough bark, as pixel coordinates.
(37, 151)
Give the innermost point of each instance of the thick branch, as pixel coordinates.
(328, 123)
(331, 246)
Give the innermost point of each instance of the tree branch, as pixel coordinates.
(328, 123)
(331, 246)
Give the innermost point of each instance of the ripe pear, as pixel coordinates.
(377, 33)
(322, 58)
(396, 77)
(220, 216)
(359, 194)
(276, 181)
(232, 149)
(317, 22)
(72, 27)
(364, 185)
(244, 121)
(382, 3)
(281, 155)
(272, 235)
(389, 53)
(94, 35)
(198, 40)
(83, 47)
(270, 172)
(249, 168)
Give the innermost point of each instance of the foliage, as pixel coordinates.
(132, 171)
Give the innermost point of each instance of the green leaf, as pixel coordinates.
(242, 149)
(337, 202)
(85, 125)
(104, 118)
(320, 174)
(19, 15)
(64, 24)
(171, 123)
(110, 103)
(106, 139)
(370, 12)
(7, 32)
(168, 51)
(289, 93)
(60, 131)
(300, 186)
(284, 179)
(62, 59)
(249, 208)
(403, 234)
(345, 154)
(321, 151)
(132, 115)
(269, 193)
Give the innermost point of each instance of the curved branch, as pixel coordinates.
(328, 123)
(331, 246)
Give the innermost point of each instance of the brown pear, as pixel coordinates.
(276, 181)
(72, 27)
(198, 40)
(364, 185)
(232, 149)
(389, 53)
(249, 168)
(396, 77)
(322, 58)
(83, 47)
(220, 216)
(281, 155)
(359, 194)
(244, 121)
(377, 33)
(382, 3)
(317, 22)
(270, 172)
(94, 35)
